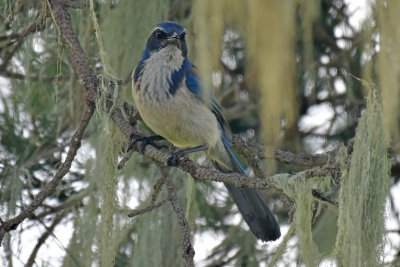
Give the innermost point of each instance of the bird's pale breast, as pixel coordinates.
(181, 118)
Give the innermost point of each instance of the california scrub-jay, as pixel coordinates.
(173, 102)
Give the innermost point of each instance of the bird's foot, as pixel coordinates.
(174, 158)
(144, 140)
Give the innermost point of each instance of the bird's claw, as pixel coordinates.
(145, 140)
(174, 158)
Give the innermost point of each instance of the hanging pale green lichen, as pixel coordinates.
(107, 160)
(108, 194)
(388, 67)
(282, 246)
(158, 239)
(303, 220)
(299, 188)
(363, 192)
(158, 243)
(99, 39)
(12, 191)
(80, 251)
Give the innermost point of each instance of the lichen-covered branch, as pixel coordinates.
(256, 151)
(199, 172)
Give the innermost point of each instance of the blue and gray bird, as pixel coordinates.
(173, 102)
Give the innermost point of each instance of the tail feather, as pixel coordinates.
(255, 212)
(250, 202)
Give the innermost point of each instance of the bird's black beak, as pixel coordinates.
(173, 36)
(173, 39)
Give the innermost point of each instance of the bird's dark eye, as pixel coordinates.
(160, 34)
(182, 36)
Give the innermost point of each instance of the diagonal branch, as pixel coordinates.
(50, 188)
(77, 56)
(71, 202)
(147, 209)
(20, 76)
(37, 25)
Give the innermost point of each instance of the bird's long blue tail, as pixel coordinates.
(252, 205)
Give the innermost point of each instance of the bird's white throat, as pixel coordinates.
(158, 68)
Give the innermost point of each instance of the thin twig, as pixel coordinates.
(17, 43)
(147, 209)
(44, 236)
(324, 197)
(123, 161)
(157, 188)
(282, 246)
(72, 201)
(19, 76)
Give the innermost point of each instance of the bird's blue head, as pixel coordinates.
(167, 33)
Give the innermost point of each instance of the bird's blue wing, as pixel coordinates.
(195, 85)
(193, 82)
(137, 72)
